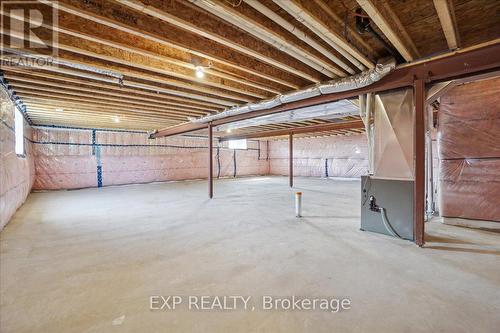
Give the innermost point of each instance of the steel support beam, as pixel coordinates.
(419, 162)
(290, 159)
(449, 66)
(210, 163)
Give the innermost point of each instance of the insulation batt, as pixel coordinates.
(132, 159)
(16, 173)
(469, 151)
(347, 156)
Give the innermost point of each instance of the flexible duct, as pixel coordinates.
(357, 81)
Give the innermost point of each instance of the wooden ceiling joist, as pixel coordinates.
(139, 66)
(298, 130)
(124, 54)
(35, 84)
(71, 16)
(300, 34)
(385, 19)
(55, 107)
(94, 103)
(187, 33)
(63, 102)
(340, 24)
(99, 122)
(139, 62)
(87, 85)
(68, 109)
(135, 84)
(224, 34)
(446, 13)
(98, 98)
(37, 114)
(98, 113)
(211, 71)
(334, 39)
(271, 37)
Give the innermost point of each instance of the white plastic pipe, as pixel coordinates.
(298, 204)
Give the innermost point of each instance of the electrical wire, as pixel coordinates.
(387, 224)
(234, 4)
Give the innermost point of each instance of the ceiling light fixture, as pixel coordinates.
(59, 110)
(116, 119)
(200, 72)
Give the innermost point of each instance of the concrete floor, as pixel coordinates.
(88, 261)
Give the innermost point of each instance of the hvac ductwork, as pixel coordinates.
(357, 81)
(328, 111)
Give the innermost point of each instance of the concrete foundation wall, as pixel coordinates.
(334, 156)
(16, 172)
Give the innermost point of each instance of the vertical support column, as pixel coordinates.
(290, 159)
(210, 163)
(419, 162)
(430, 163)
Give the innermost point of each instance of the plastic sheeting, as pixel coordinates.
(334, 156)
(16, 173)
(66, 159)
(469, 121)
(470, 188)
(469, 151)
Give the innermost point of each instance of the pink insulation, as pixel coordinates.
(346, 156)
(16, 173)
(63, 166)
(469, 151)
(470, 188)
(65, 159)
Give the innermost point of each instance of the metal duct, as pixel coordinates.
(360, 80)
(338, 109)
(344, 84)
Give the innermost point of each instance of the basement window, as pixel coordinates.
(19, 132)
(237, 144)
